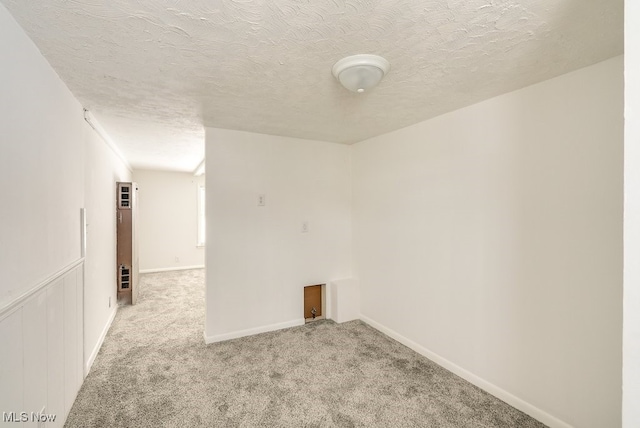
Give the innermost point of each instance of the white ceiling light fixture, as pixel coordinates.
(358, 73)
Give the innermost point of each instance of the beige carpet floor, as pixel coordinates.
(154, 370)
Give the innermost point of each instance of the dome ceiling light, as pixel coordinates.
(359, 73)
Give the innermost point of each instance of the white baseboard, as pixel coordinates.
(96, 349)
(252, 331)
(492, 389)
(169, 269)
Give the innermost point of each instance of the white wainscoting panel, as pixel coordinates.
(55, 349)
(70, 329)
(34, 327)
(80, 325)
(11, 386)
(41, 337)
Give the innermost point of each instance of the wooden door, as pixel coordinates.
(127, 243)
(312, 302)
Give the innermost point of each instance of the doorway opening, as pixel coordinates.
(314, 302)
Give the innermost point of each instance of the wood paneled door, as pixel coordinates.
(313, 302)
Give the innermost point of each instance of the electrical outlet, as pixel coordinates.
(177, 259)
(305, 227)
(261, 200)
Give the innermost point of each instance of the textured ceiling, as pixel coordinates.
(155, 72)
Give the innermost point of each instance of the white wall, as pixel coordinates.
(258, 260)
(168, 220)
(51, 166)
(103, 169)
(490, 238)
(42, 174)
(41, 166)
(631, 374)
